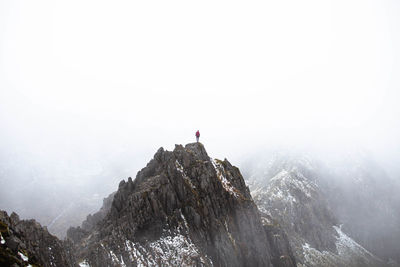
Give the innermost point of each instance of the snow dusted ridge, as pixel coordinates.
(346, 246)
(219, 168)
(349, 253)
(174, 248)
(171, 250)
(284, 179)
(285, 187)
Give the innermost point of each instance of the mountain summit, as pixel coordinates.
(183, 209)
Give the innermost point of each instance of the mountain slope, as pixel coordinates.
(183, 209)
(291, 191)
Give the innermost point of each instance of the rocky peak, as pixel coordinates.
(183, 203)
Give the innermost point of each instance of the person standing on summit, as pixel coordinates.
(197, 136)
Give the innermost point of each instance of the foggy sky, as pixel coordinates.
(91, 85)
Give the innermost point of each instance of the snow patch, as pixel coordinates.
(282, 183)
(349, 253)
(225, 183)
(184, 222)
(281, 195)
(265, 221)
(314, 257)
(84, 264)
(2, 241)
(173, 249)
(115, 259)
(176, 250)
(345, 242)
(24, 258)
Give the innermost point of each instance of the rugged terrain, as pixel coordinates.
(27, 243)
(187, 209)
(183, 209)
(311, 205)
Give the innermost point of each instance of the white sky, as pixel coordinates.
(80, 79)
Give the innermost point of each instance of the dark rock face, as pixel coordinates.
(183, 209)
(25, 242)
(281, 251)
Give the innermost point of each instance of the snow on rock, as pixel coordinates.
(179, 167)
(170, 250)
(285, 187)
(349, 253)
(24, 258)
(84, 264)
(347, 247)
(174, 248)
(2, 241)
(116, 259)
(225, 183)
(314, 257)
(281, 187)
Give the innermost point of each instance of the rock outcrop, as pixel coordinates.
(183, 209)
(27, 243)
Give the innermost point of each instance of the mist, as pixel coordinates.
(90, 90)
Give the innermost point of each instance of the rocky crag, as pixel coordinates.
(183, 209)
(27, 243)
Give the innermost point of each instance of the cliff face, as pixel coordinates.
(27, 243)
(183, 209)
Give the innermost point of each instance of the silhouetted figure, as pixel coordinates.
(197, 136)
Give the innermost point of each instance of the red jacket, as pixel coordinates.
(197, 134)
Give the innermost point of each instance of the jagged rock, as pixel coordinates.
(26, 242)
(183, 209)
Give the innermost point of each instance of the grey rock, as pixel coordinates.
(33, 241)
(183, 203)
